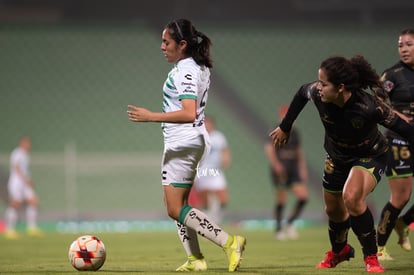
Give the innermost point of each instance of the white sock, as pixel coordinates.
(11, 218)
(189, 240)
(31, 216)
(202, 224)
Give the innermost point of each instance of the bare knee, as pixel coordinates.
(354, 204)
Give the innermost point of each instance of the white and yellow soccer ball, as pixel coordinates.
(87, 253)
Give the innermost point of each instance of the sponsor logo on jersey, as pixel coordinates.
(189, 76)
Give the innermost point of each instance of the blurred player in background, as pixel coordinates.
(186, 140)
(398, 82)
(21, 190)
(356, 150)
(288, 173)
(210, 181)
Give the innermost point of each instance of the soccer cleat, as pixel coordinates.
(234, 252)
(193, 264)
(383, 254)
(12, 235)
(280, 235)
(402, 231)
(291, 233)
(332, 259)
(372, 265)
(34, 232)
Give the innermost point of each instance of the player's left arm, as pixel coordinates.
(24, 177)
(187, 114)
(225, 158)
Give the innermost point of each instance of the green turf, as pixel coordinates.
(161, 253)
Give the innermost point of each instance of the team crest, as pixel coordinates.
(357, 123)
(388, 85)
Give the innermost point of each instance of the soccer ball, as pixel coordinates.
(87, 253)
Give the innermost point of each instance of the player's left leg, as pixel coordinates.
(359, 184)
(32, 213)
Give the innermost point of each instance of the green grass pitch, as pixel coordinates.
(161, 253)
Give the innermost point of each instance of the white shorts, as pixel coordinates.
(210, 182)
(19, 191)
(180, 160)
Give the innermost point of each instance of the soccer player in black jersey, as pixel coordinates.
(398, 82)
(356, 150)
(289, 172)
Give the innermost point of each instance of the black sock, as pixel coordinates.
(278, 216)
(300, 204)
(386, 224)
(338, 235)
(363, 227)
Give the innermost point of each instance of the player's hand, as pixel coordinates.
(279, 138)
(137, 114)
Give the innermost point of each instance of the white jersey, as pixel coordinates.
(218, 144)
(19, 157)
(186, 80)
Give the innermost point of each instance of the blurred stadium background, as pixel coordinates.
(70, 67)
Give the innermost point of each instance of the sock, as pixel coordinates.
(338, 234)
(408, 217)
(200, 223)
(278, 212)
(11, 218)
(300, 204)
(363, 227)
(189, 240)
(31, 216)
(386, 224)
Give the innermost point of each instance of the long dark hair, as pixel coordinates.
(355, 73)
(407, 31)
(198, 44)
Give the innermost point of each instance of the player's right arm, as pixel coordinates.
(280, 135)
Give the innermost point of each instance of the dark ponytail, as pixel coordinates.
(355, 73)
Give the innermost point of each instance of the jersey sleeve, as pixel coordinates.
(186, 84)
(301, 98)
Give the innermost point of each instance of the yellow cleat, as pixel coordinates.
(383, 254)
(402, 231)
(12, 235)
(234, 252)
(35, 232)
(193, 264)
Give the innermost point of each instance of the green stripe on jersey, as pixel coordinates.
(188, 97)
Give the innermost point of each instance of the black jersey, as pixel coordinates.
(351, 131)
(398, 82)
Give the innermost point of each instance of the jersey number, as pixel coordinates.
(401, 153)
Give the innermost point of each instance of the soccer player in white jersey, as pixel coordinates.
(210, 181)
(186, 140)
(21, 189)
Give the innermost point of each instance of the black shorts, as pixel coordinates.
(335, 175)
(280, 183)
(399, 159)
